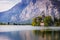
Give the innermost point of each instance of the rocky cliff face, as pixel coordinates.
(38, 8)
(26, 10)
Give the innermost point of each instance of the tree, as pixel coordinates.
(48, 21)
(57, 22)
(36, 21)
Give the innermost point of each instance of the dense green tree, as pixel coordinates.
(36, 21)
(57, 22)
(47, 21)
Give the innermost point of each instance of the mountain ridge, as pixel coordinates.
(34, 10)
(27, 10)
(16, 10)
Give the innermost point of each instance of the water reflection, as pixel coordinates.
(47, 35)
(30, 35)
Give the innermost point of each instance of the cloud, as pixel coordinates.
(7, 4)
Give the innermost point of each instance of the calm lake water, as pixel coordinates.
(26, 32)
(29, 35)
(17, 35)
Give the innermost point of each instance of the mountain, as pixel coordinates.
(12, 15)
(38, 8)
(26, 10)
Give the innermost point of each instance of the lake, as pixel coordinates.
(28, 32)
(29, 35)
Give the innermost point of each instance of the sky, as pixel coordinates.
(8, 4)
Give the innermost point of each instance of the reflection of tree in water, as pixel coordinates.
(46, 35)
